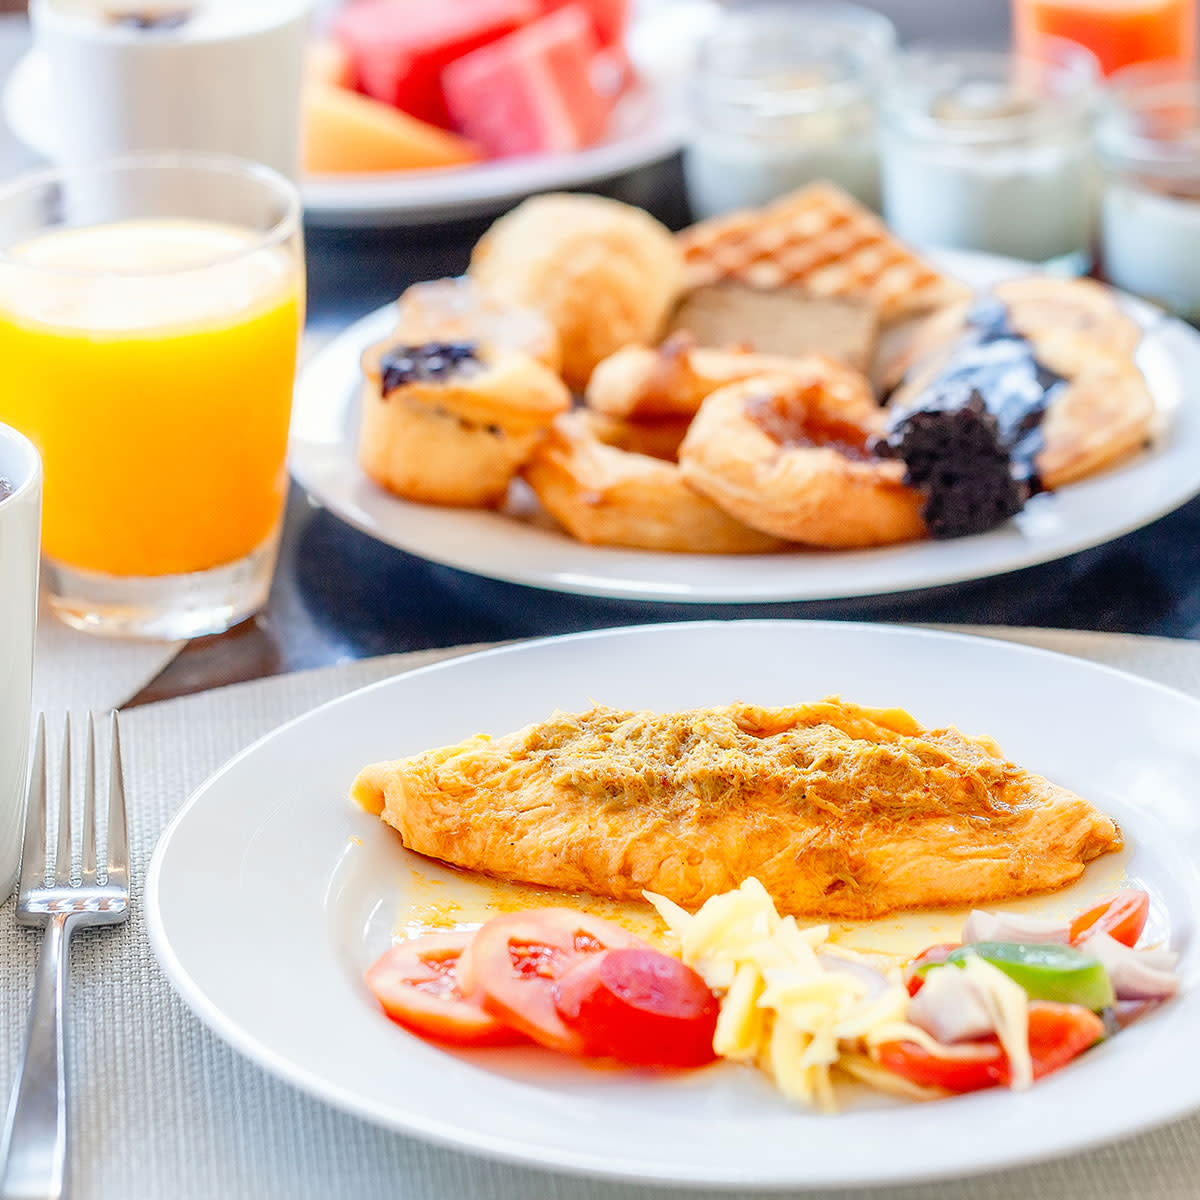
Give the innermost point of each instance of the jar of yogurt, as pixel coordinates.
(993, 152)
(1148, 136)
(782, 94)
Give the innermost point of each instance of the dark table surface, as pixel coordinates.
(340, 595)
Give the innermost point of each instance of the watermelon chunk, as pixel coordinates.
(609, 18)
(399, 48)
(535, 91)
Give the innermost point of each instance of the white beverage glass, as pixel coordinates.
(211, 75)
(20, 518)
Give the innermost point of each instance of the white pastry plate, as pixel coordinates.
(525, 547)
(647, 128)
(270, 893)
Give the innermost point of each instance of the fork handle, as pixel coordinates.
(35, 1135)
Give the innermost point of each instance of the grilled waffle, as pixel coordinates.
(823, 242)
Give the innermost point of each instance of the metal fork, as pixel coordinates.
(35, 1137)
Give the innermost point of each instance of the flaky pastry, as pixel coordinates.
(789, 455)
(611, 497)
(457, 433)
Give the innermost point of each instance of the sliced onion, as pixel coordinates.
(950, 1007)
(875, 981)
(1134, 974)
(1013, 927)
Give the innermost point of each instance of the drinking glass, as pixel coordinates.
(150, 312)
(1117, 32)
(20, 512)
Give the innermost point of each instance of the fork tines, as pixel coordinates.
(33, 857)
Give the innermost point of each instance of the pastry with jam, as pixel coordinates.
(451, 422)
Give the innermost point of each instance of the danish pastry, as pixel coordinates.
(611, 497)
(789, 455)
(450, 423)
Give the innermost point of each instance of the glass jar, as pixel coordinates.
(781, 95)
(1148, 137)
(992, 152)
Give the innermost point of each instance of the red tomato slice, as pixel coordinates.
(641, 1007)
(1122, 917)
(1057, 1034)
(417, 985)
(515, 961)
(971, 1066)
(914, 979)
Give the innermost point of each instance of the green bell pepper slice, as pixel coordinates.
(1047, 971)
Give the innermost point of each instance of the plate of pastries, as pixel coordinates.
(777, 404)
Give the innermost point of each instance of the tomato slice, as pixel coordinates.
(417, 984)
(1122, 917)
(966, 1067)
(515, 960)
(640, 1007)
(914, 973)
(1057, 1034)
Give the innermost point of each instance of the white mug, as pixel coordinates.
(20, 532)
(226, 78)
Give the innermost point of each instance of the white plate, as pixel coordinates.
(647, 128)
(534, 552)
(271, 892)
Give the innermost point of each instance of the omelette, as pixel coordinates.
(840, 811)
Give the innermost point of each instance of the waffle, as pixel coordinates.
(822, 241)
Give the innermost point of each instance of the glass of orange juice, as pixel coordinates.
(150, 313)
(1117, 32)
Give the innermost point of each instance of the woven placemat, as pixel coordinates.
(164, 1109)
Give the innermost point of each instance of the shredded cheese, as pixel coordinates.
(785, 1006)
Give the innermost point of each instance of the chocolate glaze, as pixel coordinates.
(992, 359)
(970, 440)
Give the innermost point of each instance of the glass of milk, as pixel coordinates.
(1148, 136)
(782, 94)
(992, 152)
(131, 76)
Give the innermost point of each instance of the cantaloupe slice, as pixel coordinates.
(345, 132)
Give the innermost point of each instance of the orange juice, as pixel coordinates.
(1117, 32)
(151, 362)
